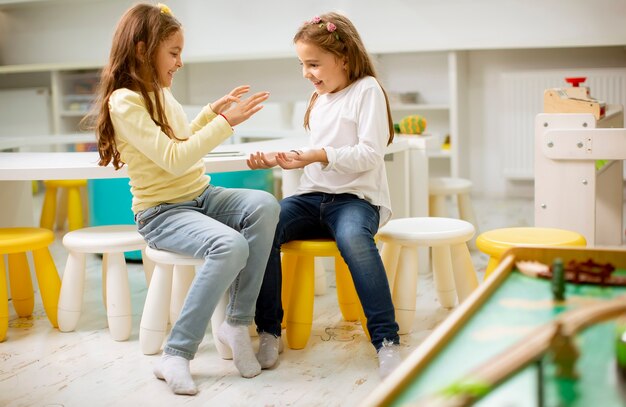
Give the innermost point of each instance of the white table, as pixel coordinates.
(407, 166)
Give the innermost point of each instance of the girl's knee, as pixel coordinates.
(232, 245)
(238, 246)
(267, 205)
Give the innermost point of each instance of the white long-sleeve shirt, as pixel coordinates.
(351, 125)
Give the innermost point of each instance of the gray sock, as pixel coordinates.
(388, 358)
(175, 371)
(269, 348)
(237, 337)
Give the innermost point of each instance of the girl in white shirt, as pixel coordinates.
(343, 193)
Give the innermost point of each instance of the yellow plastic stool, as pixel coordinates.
(15, 242)
(496, 242)
(299, 288)
(75, 208)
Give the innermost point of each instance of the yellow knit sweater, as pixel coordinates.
(164, 170)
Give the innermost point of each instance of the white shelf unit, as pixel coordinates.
(71, 88)
(439, 78)
(73, 95)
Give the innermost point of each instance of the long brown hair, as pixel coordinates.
(343, 42)
(145, 23)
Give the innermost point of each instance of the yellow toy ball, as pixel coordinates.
(414, 124)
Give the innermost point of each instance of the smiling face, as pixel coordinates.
(327, 72)
(168, 58)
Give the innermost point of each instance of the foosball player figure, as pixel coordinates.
(558, 280)
(564, 353)
(620, 346)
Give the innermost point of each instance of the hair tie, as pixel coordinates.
(330, 27)
(164, 9)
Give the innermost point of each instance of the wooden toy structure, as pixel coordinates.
(580, 145)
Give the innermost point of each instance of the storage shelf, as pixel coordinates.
(438, 154)
(419, 106)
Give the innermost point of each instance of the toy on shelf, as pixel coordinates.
(579, 153)
(574, 99)
(413, 124)
(446, 143)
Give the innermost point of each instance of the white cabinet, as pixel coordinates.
(69, 91)
(438, 78)
(73, 94)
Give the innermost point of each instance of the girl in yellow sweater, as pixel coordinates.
(140, 124)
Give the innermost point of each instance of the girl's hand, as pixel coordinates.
(297, 159)
(260, 160)
(225, 101)
(244, 109)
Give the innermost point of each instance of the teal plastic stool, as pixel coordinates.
(110, 200)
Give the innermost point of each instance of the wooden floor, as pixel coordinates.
(40, 366)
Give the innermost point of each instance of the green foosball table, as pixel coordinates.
(513, 342)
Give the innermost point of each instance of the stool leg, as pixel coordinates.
(466, 211)
(405, 289)
(72, 288)
(288, 266)
(442, 273)
(465, 279)
(148, 266)
(216, 320)
(154, 317)
(182, 279)
(347, 297)
(300, 316)
(49, 208)
(22, 293)
(119, 313)
(61, 214)
(438, 205)
(49, 283)
(103, 286)
(491, 266)
(390, 253)
(74, 209)
(84, 203)
(4, 301)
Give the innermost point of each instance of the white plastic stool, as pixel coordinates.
(173, 274)
(441, 187)
(112, 241)
(453, 270)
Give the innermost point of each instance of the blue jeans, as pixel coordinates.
(352, 222)
(232, 230)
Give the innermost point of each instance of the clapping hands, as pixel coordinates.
(237, 110)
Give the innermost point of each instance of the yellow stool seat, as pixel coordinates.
(298, 287)
(496, 242)
(15, 242)
(76, 211)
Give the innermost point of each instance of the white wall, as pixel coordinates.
(485, 126)
(61, 31)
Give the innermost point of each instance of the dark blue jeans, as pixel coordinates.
(352, 222)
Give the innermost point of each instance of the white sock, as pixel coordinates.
(269, 348)
(237, 337)
(175, 371)
(388, 358)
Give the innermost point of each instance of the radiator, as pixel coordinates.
(522, 100)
